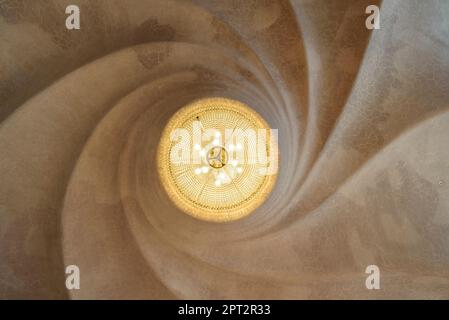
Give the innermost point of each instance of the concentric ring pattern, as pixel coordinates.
(363, 137)
(223, 175)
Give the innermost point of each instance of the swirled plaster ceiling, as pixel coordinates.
(363, 133)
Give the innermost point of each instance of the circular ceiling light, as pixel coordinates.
(217, 159)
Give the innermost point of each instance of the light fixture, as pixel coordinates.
(206, 170)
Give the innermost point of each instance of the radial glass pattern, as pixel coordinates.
(216, 158)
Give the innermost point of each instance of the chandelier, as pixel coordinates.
(217, 159)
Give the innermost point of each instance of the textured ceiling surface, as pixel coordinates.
(363, 119)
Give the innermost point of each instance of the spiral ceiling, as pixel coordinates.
(363, 124)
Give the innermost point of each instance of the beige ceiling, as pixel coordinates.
(363, 119)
